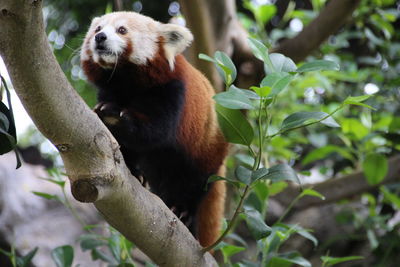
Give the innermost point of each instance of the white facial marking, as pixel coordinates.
(114, 43)
(142, 33)
(144, 47)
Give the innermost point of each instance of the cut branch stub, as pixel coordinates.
(88, 190)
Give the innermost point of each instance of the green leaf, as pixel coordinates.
(224, 59)
(306, 234)
(357, 100)
(4, 123)
(375, 167)
(246, 263)
(264, 13)
(354, 127)
(45, 195)
(271, 79)
(261, 91)
(89, 242)
(7, 142)
(280, 85)
(290, 257)
(26, 260)
(234, 125)
(281, 172)
(392, 198)
(301, 118)
(323, 152)
(243, 175)
(281, 63)
(63, 256)
(329, 261)
(8, 134)
(228, 72)
(60, 183)
(233, 99)
(312, 193)
(258, 174)
(214, 178)
(373, 240)
(206, 58)
(250, 94)
(278, 81)
(301, 231)
(260, 51)
(229, 250)
(318, 65)
(262, 191)
(245, 159)
(98, 254)
(258, 228)
(276, 188)
(114, 245)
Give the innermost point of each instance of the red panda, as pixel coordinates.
(161, 112)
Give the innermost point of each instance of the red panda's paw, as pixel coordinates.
(110, 113)
(182, 215)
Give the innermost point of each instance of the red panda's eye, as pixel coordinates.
(98, 29)
(122, 30)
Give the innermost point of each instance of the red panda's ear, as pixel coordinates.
(176, 39)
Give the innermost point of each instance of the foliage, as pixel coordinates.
(8, 135)
(112, 248)
(256, 136)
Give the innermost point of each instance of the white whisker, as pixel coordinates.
(115, 66)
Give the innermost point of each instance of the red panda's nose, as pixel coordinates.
(100, 37)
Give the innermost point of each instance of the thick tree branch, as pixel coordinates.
(229, 36)
(91, 155)
(329, 21)
(348, 186)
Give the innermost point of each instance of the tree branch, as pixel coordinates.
(90, 153)
(118, 5)
(229, 36)
(329, 21)
(336, 189)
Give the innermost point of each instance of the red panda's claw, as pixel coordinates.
(124, 114)
(107, 106)
(98, 106)
(183, 215)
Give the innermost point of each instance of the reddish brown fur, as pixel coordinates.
(198, 132)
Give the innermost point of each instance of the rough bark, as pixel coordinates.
(348, 186)
(91, 155)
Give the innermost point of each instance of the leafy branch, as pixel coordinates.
(280, 71)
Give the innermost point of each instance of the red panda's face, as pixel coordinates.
(133, 37)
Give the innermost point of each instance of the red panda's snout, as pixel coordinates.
(107, 44)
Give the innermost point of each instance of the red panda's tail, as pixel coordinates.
(211, 212)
